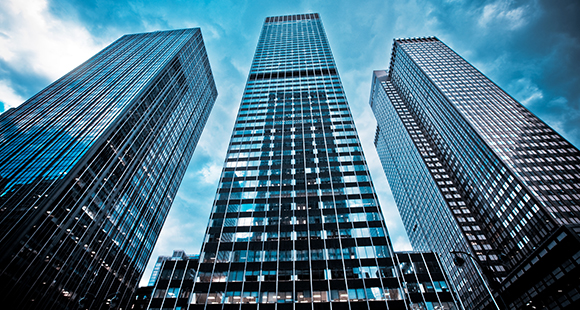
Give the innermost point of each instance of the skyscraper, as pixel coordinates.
(473, 170)
(423, 283)
(177, 255)
(295, 222)
(90, 165)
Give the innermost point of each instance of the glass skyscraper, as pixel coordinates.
(472, 170)
(295, 222)
(90, 165)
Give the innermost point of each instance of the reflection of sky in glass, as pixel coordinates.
(97, 159)
(51, 131)
(470, 168)
(296, 218)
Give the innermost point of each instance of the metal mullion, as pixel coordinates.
(159, 180)
(431, 277)
(307, 88)
(136, 220)
(83, 154)
(201, 257)
(75, 95)
(168, 284)
(283, 88)
(397, 266)
(320, 30)
(317, 88)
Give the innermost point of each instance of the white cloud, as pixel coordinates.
(8, 96)
(500, 12)
(526, 91)
(557, 121)
(536, 94)
(209, 31)
(211, 173)
(33, 41)
(402, 244)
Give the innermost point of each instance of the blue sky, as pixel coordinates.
(531, 49)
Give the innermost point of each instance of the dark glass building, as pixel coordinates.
(177, 255)
(295, 222)
(90, 165)
(473, 170)
(419, 274)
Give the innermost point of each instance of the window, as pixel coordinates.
(172, 292)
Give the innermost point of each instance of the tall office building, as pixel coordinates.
(90, 165)
(295, 222)
(423, 282)
(473, 170)
(177, 255)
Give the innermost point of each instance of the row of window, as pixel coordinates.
(362, 252)
(364, 232)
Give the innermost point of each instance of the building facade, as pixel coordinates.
(473, 170)
(90, 165)
(295, 222)
(177, 255)
(420, 274)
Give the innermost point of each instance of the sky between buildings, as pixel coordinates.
(531, 49)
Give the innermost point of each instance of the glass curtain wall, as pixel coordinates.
(296, 222)
(90, 165)
(471, 169)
